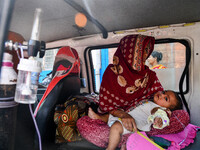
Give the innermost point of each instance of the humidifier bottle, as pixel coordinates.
(27, 81)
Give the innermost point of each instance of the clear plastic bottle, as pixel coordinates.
(27, 81)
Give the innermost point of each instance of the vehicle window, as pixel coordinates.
(101, 58)
(173, 60)
(47, 66)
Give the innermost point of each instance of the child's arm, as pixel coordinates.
(154, 110)
(159, 118)
(178, 120)
(158, 122)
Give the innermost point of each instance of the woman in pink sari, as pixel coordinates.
(126, 83)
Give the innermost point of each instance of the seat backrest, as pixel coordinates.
(65, 83)
(62, 91)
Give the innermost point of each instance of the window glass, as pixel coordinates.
(173, 60)
(101, 58)
(47, 66)
(173, 55)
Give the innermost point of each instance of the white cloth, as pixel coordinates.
(140, 114)
(160, 113)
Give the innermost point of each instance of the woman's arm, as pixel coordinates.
(127, 120)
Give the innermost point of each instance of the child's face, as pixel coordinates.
(165, 99)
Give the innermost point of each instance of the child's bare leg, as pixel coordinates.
(93, 115)
(123, 147)
(116, 131)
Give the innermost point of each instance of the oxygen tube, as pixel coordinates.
(29, 71)
(33, 44)
(26, 90)
(184, 131)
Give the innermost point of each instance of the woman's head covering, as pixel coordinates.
(128, 80)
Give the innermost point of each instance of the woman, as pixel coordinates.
(154, 60)
(132, 81)
(126, 83)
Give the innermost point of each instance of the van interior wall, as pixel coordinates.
(190, 32)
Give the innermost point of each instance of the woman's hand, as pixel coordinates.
(129, 123)
(127, 120)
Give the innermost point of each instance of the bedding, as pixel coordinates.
(178, 140)
(183, 138)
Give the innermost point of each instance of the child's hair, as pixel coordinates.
(179, 104)
(157, 54)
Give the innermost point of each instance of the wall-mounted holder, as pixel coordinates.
(33, 47)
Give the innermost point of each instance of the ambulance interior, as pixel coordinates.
(95, 36)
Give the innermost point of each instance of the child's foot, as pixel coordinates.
(92, 114)
(123, 147)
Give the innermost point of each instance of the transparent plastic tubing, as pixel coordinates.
(36, 127)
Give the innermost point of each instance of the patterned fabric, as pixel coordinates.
(66, 124)
(97, 131)
(66, 116)
(158, 67)
(178, 121)
(66, 62)
(128, 80)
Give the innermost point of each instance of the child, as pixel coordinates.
(141, 113)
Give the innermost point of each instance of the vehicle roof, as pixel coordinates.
(115, 15)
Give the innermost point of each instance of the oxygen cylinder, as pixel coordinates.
(8, 81)
(8, 107)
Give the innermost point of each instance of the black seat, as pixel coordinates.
(64, 89)
(65, 83)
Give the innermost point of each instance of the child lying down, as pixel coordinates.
(146, 115)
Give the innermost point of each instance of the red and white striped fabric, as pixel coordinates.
(62, 70)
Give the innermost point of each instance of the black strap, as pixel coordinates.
(185, 71)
